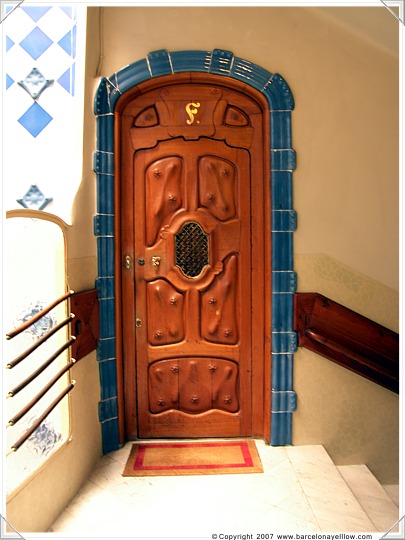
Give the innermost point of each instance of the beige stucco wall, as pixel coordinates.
(356, 420)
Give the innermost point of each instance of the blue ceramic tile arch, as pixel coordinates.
(281, 103)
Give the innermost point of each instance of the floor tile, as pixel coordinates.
(300, 490)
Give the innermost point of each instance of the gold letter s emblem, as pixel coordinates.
(192, 110)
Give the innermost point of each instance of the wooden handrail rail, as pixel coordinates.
(347, 338)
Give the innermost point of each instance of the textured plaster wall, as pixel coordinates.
(357, 421)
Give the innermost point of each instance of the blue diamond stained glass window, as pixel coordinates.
(67, 80)
(35, 12)
(36, 43)
(9, 81)
(9, 43)
(35, 119)
(191, 249)
(68, 42)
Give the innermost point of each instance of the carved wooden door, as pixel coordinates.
(188, 246)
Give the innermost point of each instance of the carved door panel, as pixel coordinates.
(193, 290)
(188, 230)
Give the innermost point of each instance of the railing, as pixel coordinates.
(82, 341)
(347, 338)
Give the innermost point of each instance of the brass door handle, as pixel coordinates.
(155, 261)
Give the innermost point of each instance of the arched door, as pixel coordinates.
(194, 241)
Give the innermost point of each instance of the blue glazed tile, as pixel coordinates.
(283, 312)
(131, 75)
(105, 287)
(283, 401)
(283, 160)
(68, 42)
(36, 43)
(250, 73)
(284, 220)
(282, 251)
(103, 162)
(279, 94)
(281, 429)
(281, 188)
(105, 194)
(284, 281)
(105, 133)
(102, 99)
(35, 12)
(108, 409)
(108, 379)
(280, 129)
(114, 91)
(110, 435)
(284, 342)
(221, 62)
(103, 225)
(191, 61)
(105, 256)
(159, 63)
(282, 371)
(106, 349)
(107, 318)
(35, 119)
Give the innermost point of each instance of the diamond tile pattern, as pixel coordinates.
(67, 80)
(35, 119)
(36, 43)
(9, 43)
(31, 32)
(68, 42)
(9, 81)
(35, 12)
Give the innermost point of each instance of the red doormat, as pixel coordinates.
(188, 458)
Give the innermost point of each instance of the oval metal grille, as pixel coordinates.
(191, 249)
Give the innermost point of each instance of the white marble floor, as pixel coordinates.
(300, 490)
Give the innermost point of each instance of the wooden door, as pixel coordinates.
(188, 295)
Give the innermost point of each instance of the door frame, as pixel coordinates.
(277, 100)
(260, 241)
